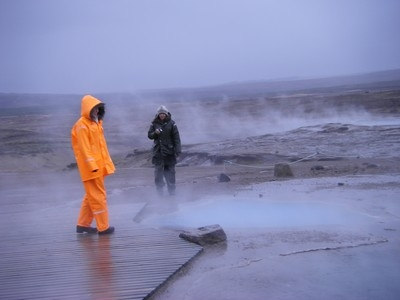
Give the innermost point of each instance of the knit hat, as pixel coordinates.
(162, 110)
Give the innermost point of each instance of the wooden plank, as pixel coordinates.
(132, 263)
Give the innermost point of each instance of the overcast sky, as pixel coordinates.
(79, 46)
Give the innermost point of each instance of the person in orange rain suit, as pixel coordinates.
(94, 163)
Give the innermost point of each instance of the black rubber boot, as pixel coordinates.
(109, 230)
(83, 229)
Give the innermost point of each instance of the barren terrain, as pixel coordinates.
(342, 143)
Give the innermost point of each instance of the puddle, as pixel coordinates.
(245, 213)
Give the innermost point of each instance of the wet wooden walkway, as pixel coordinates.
(130, 264)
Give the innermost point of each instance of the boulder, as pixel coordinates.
(282, 170)
(223, 178)
(370, 166)
(317, 168)
(206, 235)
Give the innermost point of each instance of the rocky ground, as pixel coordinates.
(342, 146)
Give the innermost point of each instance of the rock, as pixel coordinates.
(282, 170)
(72, 166)
(370, 166)
(340, 184)
(206, 235)
(330, 128)
(317, 168)
(223, 178)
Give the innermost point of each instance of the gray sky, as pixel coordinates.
(79, 46)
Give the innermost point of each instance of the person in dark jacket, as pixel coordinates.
(166, 149)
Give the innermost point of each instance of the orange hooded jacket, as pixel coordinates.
(89, 144)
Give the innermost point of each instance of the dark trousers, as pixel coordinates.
(162, 171)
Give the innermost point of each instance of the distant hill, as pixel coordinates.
(376, 80)
(384, 80)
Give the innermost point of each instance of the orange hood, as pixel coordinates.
(88, 102)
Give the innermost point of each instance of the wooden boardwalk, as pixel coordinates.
(130, 264)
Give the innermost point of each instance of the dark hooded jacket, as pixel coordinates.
(167, 144)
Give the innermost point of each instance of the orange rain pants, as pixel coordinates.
(94, 204)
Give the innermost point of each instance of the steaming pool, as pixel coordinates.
(256, 213)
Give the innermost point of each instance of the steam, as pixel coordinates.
(209, 121)
(295, 204)
(128, 118)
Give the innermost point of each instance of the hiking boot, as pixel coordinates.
(83, 229)
(109, 230)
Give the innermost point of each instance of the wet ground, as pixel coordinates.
(303, 239)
